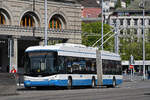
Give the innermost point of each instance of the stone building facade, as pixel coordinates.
(22, 25)
(130, 20)
(130, 23)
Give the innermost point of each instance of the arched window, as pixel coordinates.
(2, 19)
(27, 21)
(55, 23)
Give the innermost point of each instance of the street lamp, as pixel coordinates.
(45, 33)
(141, 5)
(98, 1)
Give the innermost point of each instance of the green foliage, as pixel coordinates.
(129, 44)
(147, 51)
(128, 48)
(128, 2)
(92, 32)
(131, 47)
(118, 4)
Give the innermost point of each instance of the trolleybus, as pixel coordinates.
(69, 65)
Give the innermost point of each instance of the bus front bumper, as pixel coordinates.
(29, 83)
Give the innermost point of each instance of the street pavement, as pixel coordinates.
(128, 78)
(129, 90)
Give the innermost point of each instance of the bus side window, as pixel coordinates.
(61, 65)
(68, 64)
(93, 68)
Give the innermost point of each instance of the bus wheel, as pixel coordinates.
(93, 83)
(69, 83)
(114, 83)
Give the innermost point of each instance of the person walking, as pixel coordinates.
(13, 70)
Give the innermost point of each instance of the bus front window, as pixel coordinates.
(40, 63)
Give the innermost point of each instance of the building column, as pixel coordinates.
(111, 22)
(132, 22)
(139, 22)
(118, 22)
(139, 33)
(146, 22)
(14, 54)
(41, 43)
(124, 22)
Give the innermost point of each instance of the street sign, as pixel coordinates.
(131, 66)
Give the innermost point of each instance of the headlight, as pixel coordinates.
(27, 83)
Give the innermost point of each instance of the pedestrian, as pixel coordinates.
(13, 70)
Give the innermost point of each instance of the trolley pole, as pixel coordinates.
(45, 34)
(100, 2)
(102, 26)
(143, 31)
(143, 42)
(99, 68)
(142, 5)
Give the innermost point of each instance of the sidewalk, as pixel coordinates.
(128, 78)
(7, 84)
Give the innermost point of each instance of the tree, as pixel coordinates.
(128, 2)
(147, 46)
(130, 47)
(147, 51)
(118, 4)
(92, 32)
(129, 44)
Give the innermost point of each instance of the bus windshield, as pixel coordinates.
(40, 63)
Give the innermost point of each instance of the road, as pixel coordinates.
(136, 90)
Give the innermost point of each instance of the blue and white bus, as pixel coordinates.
(69, 65)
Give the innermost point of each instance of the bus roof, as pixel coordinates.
(74, 50)
(110, 56)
